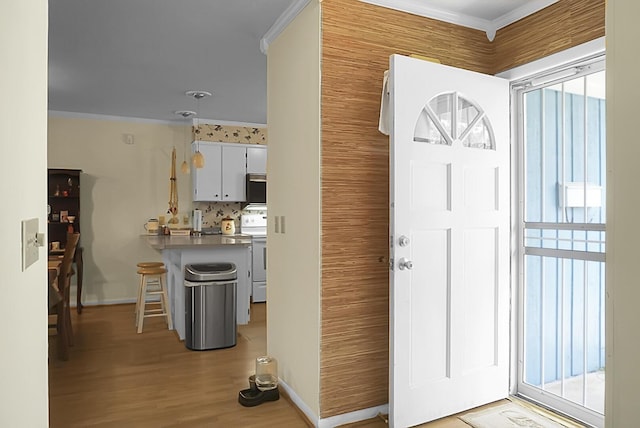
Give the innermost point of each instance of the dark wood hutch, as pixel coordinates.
(63, 191)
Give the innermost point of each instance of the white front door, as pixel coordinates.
(450, 290)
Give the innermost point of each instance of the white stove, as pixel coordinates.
(255, 225)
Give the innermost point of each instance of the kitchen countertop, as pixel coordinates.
(175, 242)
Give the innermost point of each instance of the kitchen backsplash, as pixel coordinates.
(230, 134)
(214, 212)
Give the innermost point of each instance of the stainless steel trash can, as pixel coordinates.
(210, 300)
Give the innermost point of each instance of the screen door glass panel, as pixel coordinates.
(564, 183)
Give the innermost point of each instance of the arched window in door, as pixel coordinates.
(450, 117)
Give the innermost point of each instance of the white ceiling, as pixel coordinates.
(136, 58)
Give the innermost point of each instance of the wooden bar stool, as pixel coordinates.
(152, 283)
(153, 280)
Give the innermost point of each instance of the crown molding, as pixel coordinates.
(423, 9)
(281, 23)
(529, 8)
(489, 27)
(92, 116)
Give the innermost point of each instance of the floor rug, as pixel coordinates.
(511, 415)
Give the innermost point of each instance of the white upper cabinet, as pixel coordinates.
(207, 181)
(223, 175)
(256, 159)
(234, 170)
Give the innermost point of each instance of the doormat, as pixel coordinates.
(512, 415)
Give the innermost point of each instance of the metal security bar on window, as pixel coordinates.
(580, 241)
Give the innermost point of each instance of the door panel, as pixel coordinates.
(449, 240)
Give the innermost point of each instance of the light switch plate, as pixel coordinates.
(29, 242)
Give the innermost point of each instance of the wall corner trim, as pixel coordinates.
(330, 422)
(358, 415)
(281, 23)
(297, 401)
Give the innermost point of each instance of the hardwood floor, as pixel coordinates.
(117, 378)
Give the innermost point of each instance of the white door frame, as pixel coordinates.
(592, 49)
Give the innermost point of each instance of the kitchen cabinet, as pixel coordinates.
(223, 176)
(257, 159)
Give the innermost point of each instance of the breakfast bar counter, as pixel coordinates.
(179, 251)
(160, 242)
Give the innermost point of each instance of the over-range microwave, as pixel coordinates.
(256, 189)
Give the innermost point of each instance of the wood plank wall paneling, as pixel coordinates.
(558, 27)
(357, 39)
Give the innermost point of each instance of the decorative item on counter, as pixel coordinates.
(151, 226)
(64, 216)
(55, 217)
(179, 232)
(173, 191)
(228, 226)
(197, 222)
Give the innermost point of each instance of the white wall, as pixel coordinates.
(23, 163)
(121, 187)
(293, 272)
(623, 205)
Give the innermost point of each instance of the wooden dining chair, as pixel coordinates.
(62, 309)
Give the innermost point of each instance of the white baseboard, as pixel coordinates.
(333, 421)
(104, 302)
(298, 402)
(358, 415)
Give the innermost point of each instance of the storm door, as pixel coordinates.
(561, 260)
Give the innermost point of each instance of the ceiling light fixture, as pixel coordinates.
(198, 158)
(185, 166)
